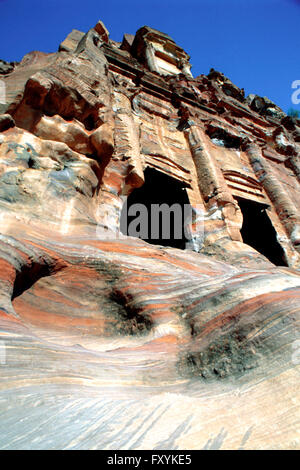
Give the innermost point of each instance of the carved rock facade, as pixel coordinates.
(84, 311)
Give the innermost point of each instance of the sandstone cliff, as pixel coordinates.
(106, 340)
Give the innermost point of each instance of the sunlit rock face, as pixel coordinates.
(108, 341)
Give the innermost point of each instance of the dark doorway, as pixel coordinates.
(165, 227)
(258, 231)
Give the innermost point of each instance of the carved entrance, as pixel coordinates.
(258, 231)
(157, 211)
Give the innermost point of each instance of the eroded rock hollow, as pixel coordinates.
(158, 340)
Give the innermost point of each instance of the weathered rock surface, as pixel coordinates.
(107, 341)
(7, 67)
(71, 42)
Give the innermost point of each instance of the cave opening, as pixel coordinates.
(258, 231)
(158, 211)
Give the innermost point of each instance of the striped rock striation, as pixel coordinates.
(109, 341)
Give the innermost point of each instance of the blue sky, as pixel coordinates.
(256, 43)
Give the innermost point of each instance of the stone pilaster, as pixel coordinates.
(284, 206)
(212, 183)
(124, 172)
(294, 163)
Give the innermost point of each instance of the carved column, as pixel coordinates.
(212, 183)
(293, 162)
(150, 57)
(124, 172)
(285, 208)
